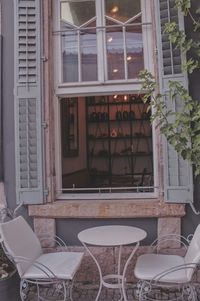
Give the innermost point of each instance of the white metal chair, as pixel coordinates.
(169, 272)
(52, 273)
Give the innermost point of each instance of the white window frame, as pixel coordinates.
(101, 87)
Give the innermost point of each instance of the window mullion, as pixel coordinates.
(79, 57)
(100, 40)
(125, 52)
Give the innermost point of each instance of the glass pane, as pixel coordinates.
(115, 52)
(134, 50)
(122, 10)
(89, 54)
(77, 13)
(70, 56)
(69, 126)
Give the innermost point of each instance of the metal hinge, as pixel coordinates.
(46, 193)
(44, 59)
(44, 124)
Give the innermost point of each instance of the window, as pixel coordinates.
(115, 138)
(106, 145)
(102, 40)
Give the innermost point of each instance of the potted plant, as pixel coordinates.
(9, 279)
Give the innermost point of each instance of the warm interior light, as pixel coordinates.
(115, 70)
(110, 39)
(129, 58)
(125, 97)
(114, 9)
(115, 96)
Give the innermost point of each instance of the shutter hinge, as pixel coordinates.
(44, 124)
(46, 193)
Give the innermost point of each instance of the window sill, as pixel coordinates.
(107, 209)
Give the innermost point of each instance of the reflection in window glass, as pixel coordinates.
(134, 51)
(77, 13)
(70, 56)
(88, 54)
(122, 10)
(115, 52)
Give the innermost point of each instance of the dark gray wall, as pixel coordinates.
(191, 220)
(1, 113)
(69, 229)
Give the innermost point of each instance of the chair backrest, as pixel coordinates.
(20, 240)
(193, 252)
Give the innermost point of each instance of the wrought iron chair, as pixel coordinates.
(160, 274)
(51, 273)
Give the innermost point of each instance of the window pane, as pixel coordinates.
(115, 52)
(115, 144)
(89, 54)
(134, 50)
(69, 126)
(70, 56)
(77, 13)
(122, 10)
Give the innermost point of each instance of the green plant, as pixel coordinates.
(6, 266)
(182, 128)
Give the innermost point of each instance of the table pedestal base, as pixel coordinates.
(120, 278)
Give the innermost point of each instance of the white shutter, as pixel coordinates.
(28, 102)
(178, 179)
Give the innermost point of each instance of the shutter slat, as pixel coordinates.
(28, 102)
(178, 178)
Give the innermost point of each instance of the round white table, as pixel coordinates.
(112, 236)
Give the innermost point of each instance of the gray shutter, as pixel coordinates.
(28, 102)
(178, 179)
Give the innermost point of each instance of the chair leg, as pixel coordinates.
(70, 290)
(189, 292)
(24, 287)
(143, 288)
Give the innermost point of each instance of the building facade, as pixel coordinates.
(77, 145)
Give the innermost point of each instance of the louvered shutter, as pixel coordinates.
(28, 102)
(178, 186)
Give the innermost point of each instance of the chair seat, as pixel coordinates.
(149, 266)
(63, 264)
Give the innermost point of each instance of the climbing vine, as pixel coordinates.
(181, 128)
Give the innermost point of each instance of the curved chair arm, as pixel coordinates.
(158, 277)
(171, 237)
(8, 213)
(59, 241)
(40, 266)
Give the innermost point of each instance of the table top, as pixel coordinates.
(114, 235)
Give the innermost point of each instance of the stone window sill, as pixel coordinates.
(107, 209)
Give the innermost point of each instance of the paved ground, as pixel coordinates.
(89, 293)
